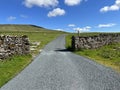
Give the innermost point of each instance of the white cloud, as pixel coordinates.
(10, 18)
(88, 27)
(113, 7)
(56, 12)
(23, 16)
(72, 2)
(85, 0)
(40, 3)
(84, 29)
(71, 25)
(106, 25)
(59, 29)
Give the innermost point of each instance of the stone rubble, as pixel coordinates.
(13, 45)
(34, 46)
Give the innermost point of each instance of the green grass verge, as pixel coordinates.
(11, 67)
(108, 55)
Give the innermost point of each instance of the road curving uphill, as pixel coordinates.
(58, 69)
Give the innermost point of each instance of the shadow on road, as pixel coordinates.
(61, 50)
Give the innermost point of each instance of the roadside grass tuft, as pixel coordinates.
(12, 66)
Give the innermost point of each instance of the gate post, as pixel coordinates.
(73, 42)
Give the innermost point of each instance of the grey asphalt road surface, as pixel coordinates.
(57, 69)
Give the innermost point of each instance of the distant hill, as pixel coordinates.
(22, 28)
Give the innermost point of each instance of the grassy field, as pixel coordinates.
(108, 55)
(11, 67)
(21, 28)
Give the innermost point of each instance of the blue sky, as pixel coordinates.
(67, 15)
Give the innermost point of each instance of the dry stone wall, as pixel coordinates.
(13, 45)
(93, 42)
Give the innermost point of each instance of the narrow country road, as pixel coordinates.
(57, 69)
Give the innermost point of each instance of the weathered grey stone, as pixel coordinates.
(11, 45)
(93, 42)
